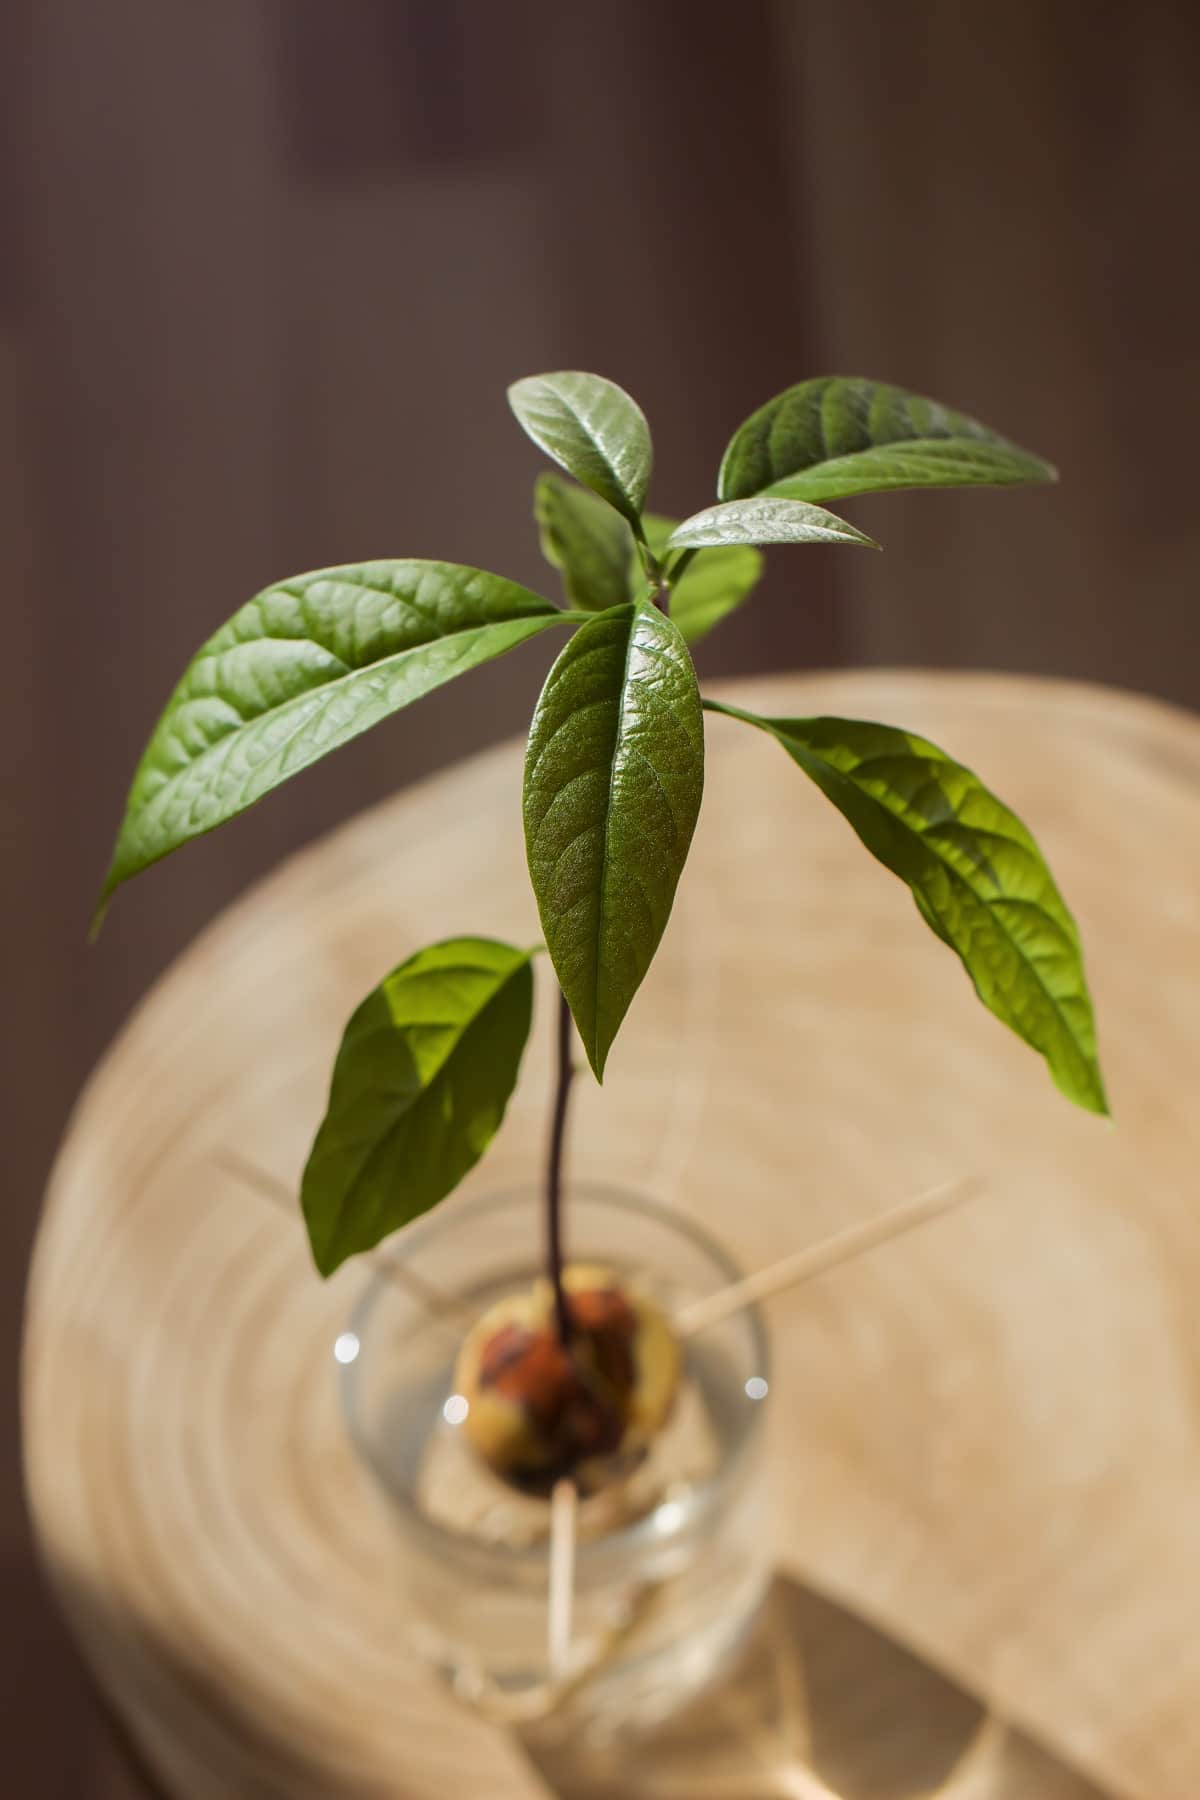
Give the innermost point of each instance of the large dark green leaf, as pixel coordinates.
(592, 429)
(424, 1073)
(978, 878)
(827, 438)
(714, 583)
(591, 544)
(301, 669)
(613, 777)
(765, 520)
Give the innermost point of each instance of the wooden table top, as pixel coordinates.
(985, 1439)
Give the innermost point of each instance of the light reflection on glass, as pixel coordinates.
(456, 1409)
(345, 1347)
(668, 1517)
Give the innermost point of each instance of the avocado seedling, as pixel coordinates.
(576, 1376)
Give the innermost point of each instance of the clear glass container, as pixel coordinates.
(670, 1566)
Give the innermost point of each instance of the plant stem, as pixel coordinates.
(564, 1073)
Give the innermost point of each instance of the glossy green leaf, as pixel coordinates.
(765, 520)
(978, 878)
(420, 1085)
(602, 566)
(587, 541)
(592, 429)
(301, 669)
(827, 438)
(613, 777)
(714, 583)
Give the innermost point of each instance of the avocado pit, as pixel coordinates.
(540, 1410)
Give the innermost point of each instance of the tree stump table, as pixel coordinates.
(984, 1439)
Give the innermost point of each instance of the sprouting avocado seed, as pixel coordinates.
(539, 1410)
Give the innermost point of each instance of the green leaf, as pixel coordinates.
(593, 430)
(765, 521)
(602, 564)
(976, 874)
(301, 669)
(613, 778)
(714, 583)
(827, 438)
(422, 1078)
(584, 538)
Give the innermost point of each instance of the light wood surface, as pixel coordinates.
(984, 1438)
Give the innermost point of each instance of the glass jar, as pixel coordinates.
(670, 1568)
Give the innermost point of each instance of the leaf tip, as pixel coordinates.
(850, 534)
(1089, 1093)
(100, 912)
(1036, 471)
(322, 1245)
(327, 1264)
(597, 1055)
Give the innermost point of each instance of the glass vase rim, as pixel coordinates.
(629, 1539)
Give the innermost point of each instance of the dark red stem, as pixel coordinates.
(564, 1072)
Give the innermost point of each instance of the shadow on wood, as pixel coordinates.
(822, 1706)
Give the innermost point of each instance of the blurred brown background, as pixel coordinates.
(267, 267)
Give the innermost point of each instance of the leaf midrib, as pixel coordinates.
(594, 440)
(926, 832)
(561, 401)
(608, 812)
(893, 447)
(956, 875)
(954, 444)
(323, 693)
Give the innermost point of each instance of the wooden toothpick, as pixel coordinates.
(815, 1259)
(443, 1307)
(564, 1509)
